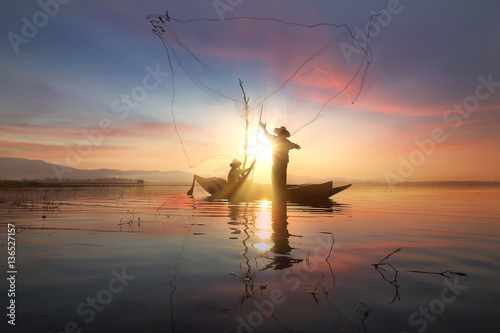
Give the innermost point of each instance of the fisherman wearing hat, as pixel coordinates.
(281, 147)
(235, 173)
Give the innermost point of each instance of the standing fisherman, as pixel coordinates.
(281, 146)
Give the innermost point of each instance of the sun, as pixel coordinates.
(262, 150)
(261, 147)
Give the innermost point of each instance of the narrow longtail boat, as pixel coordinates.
(245, 190)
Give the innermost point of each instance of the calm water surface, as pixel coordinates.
(151, 259)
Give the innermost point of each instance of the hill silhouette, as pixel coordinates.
(21, 168)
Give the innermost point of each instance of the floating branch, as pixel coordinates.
(328, 262)
(314, 293)
(246, 280)
(441, 273)
(393, 282)
(130, 222)
(121, 197)
(364, 313)
(386, 257)
(163, 204)
(331, 248)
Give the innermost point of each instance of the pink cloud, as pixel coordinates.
(413, 130)
(130, 130)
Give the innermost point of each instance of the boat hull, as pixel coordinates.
(295, 193)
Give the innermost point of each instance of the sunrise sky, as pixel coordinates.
(88, 85)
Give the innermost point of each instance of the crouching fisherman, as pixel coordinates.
(219, 187)
(236, 173)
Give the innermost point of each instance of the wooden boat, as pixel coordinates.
(303, 193)
(245, 190)
(312, 192)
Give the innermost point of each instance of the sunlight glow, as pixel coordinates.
(261, 149)
(262, 247)
(263, 221)
(263, 234)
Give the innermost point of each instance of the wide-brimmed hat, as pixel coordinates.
(235, 163)
(282, 130)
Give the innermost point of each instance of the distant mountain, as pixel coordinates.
(21, 168)
(24, 169)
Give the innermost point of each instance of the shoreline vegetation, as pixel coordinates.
(102, 182)
(26, 183)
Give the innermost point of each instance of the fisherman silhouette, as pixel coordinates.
(236, 172)
(281, 147)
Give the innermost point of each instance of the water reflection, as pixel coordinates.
(280, 237)
(270, 228)
(265, 227)
(269, 225)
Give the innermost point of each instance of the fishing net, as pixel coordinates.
(297, 70)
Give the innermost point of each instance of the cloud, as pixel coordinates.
(63, 82)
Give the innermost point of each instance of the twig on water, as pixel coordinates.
(440, 273)
(246, 280)
(163, 204)
(331, 248)
(130, 222)
(314, 293)
(386, 257)
(328, 262)
(394, 281)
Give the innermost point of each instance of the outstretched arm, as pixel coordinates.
(294, 145)
(263, 126)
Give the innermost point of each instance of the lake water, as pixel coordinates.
(151, 259)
